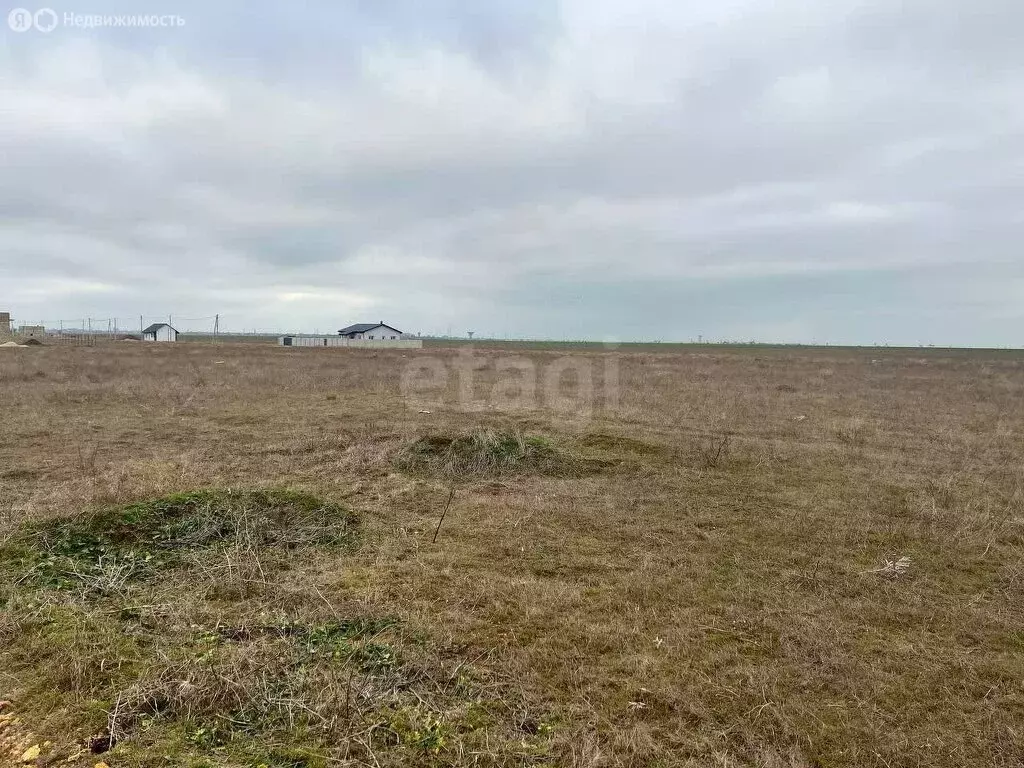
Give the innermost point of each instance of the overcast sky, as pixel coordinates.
(848, 171)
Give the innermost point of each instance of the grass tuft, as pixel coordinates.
(134, 542)
(488, 453)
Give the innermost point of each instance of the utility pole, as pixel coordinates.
(141, 326)
(90, 326)
(216, 326)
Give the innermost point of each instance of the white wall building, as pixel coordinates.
(300, 340)
(366, 335)
(160, 332)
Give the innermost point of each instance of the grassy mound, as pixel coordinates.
(189, 630)
(487, 453)
(140, 540)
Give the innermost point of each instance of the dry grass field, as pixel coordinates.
(224, 555)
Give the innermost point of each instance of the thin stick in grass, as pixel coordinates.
(451, 495)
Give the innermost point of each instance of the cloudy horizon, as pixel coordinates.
(781, 172)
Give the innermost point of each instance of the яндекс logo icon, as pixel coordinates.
(20, 20)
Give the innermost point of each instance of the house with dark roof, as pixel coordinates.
(371, 331)
(361, 335)
(160, 332)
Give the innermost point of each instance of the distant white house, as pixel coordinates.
(160, 332)
(371, 332)
(363, 335)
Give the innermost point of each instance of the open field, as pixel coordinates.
(224, 555)
(513, 346)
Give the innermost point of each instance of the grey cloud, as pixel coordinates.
(596, 167)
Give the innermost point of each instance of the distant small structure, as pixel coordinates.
(365, 335)
(159, 332)
(310, 340)
(32, 331)
(371, 331)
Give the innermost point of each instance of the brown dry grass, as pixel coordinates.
(715, 595)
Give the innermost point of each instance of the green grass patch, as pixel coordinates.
(113, 546)
(170, 632)
(488, 453)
